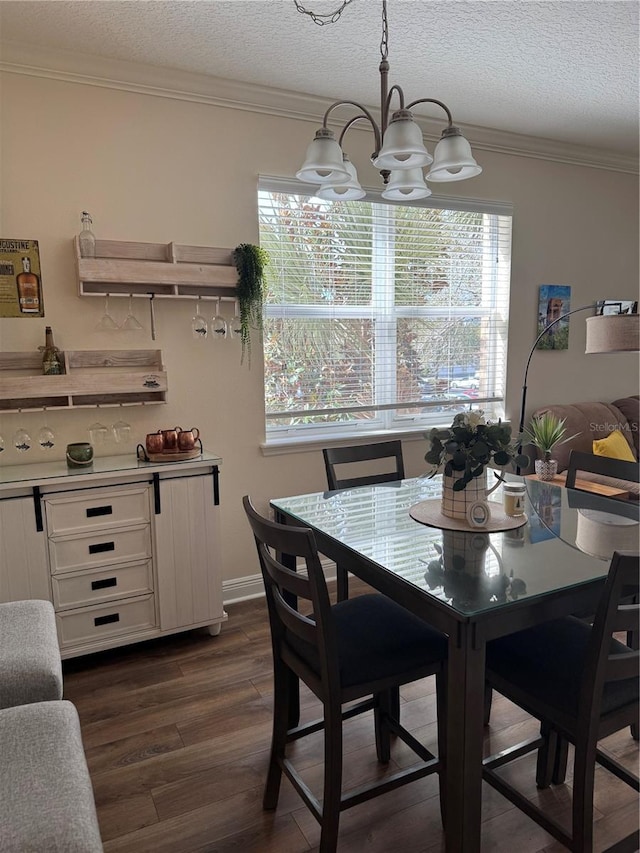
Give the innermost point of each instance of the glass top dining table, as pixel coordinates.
(473, 586)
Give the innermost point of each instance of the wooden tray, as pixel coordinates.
(167, 455)
(430, 514)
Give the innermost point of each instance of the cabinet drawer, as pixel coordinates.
(96, 510)
(93, 624)
(92, 587)
(100, 549)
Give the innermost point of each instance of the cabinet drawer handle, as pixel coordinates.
(99, 547)
(93, 511)
(104, 620)
(105, 582)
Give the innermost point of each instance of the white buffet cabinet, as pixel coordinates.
(125, 550)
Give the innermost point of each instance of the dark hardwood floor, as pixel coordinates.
(177, 731)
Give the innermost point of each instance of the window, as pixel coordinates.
(381, 316)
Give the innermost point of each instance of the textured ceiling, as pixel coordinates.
(563, 70)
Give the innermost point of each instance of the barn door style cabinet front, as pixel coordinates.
(126, 551)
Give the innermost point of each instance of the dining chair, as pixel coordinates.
(617, 469)
(605, 466)
(361, 453)
(363, 647)
(583, 685)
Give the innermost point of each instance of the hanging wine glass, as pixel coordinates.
(46, 438)
(22, 440)
(218, 324)
(199, 325)
(98, 433)
(107, 323)
(121, 431)
(235, 323)
(131, 323)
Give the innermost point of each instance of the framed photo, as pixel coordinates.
(20, 279)
(554, 301)
(612, 306)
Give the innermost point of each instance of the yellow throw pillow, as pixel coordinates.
(615, 446)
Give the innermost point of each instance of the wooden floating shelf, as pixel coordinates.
(162, 269)
(92, 378)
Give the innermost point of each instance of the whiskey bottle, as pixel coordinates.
(51, 363)
(28, 285)
(86, 237)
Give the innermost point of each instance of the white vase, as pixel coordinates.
(546, 469)
(457, 504)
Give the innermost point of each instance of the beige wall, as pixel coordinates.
(158, 169)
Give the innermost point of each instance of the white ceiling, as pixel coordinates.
(564, 70)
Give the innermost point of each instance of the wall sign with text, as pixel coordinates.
(20, 279)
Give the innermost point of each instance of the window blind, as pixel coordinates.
(382, 316)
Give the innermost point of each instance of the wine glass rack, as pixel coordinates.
(161, 270)
(91, 378)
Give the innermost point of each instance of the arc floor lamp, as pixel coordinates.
(605, 333)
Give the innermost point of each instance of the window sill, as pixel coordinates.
(277, 447)
(282, 446)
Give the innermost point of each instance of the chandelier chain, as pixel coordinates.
(384, 44)
(320, 19)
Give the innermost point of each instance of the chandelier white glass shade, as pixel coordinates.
(402, 145)
(399, 146)
(406, 185)
(336, 190)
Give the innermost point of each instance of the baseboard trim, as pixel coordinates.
(235, 590)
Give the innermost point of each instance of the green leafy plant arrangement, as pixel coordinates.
(469, 445)
(250, 262)
(547, 431)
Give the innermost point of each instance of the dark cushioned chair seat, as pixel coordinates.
(530, 660)
(373, 635)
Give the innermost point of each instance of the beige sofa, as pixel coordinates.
(593, 421)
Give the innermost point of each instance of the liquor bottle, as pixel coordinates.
(86, 237)
(51, 364)
(28, 285)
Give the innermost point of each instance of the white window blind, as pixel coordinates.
(381, 316)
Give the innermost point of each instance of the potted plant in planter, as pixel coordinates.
(546, 432)
(250, 262)
(463, 451)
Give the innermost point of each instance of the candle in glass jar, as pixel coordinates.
(513, 495)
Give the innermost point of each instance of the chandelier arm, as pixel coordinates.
(351, 122)
(387, 103)
(433, 101)
(365, 114)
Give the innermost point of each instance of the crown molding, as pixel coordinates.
(155, 81)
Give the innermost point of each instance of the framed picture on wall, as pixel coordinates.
(554, 301)
(612, 306)
(20, 279)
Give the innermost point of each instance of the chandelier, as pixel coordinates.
(400, 153)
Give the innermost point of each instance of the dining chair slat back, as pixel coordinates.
(360, 453)
(604, 466)
(336, 456)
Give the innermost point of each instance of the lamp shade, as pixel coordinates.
(406, 185)
(452, 159)
(324, 160)
(600, 533)
(338, 190)
(402, 145)
(613, 333)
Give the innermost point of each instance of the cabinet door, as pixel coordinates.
(24, 572)
(187, 547)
